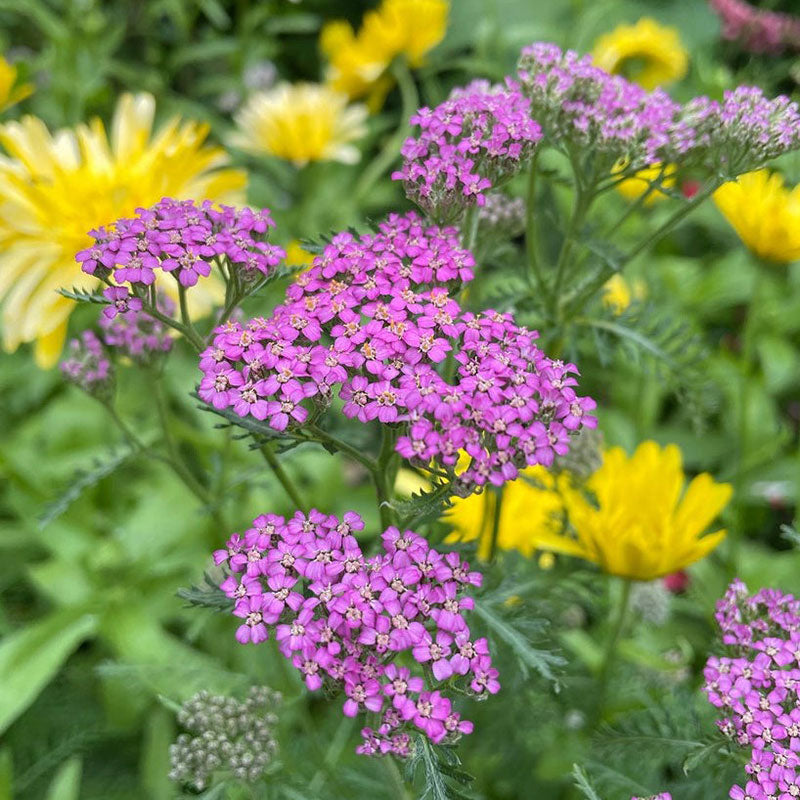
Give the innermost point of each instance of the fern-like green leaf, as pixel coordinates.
(581, 780)
(84, 479)
(82, 296)
(206, 595)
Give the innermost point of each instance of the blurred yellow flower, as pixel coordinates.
(647, 53)
(639, 184)
(10, 92)
(764, 213)
(54, 188)
(358, 62)
(300, 122)
(618, 293)
(531, 508)
(643, 525)
(296, 255)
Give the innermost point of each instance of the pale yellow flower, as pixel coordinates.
(764, 213)
(618, 293)
(11, 92)
(647, 53)
(532, 507)
(358, 62)
(642, 522)
(301, 122)
(54, 188)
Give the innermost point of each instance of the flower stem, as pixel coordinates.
(395, 779)
(410, 102)
(498, 510)
(617, 626)
(531, 231)
(325, 438)
(383, 475)
(282, 476)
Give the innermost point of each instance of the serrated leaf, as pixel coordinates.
(425, 506)
(541, 661)
(82, 296)
(581, 780)
(206, 595)
(82, 480)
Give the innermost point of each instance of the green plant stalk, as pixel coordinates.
(384, 476)
(617, 626)
(498, 510)
(186, 319)
(394, 778)
(532, 232)
(469, 228)
(282, 476)
(375, 170)
(323, 437)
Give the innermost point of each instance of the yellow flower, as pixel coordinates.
(54, 188)
(643, 525)
(10, 92)
(647, 53)
(296, 256)
(301, 122)
(764, 213)
(531, 508)
(639, 184)
(357, 62)
(618, 293)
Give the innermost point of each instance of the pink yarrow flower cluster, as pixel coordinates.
(759, 30)
(757, 687)
(342, 619)
(582, 106)
(374, 317)
(129, 330)
(481, 135)
(183, 239)
(87, 365)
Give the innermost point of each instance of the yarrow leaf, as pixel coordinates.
(82, 296)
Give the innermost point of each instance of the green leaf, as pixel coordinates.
(30, 657)
(85, 479)
(82, 296)
(541, 661)
(207, 595)
(158, 735)
(581, 780)
(66, 785)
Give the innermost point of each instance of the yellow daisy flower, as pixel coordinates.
(10, 92)
(54, 188)
(639, 184)
(647, 53)
(764, 213)
(531, 508)
(300, 122)
(618, 293)
(357, 62)
(296, 255)
(644, 524)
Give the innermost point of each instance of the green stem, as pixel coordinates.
(532, 232)
(189, 334)
(617, 627)
(375, 170)
(282, 476)
(323, 437)
(186, 319)
(498, 510)
(635, 206)
(383, 476)
(469, 228)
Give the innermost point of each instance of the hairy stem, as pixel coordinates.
(532, 231)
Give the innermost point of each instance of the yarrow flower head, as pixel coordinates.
(374, 317)
(756, 686)
(88, 366)
(759, 30)
(581, 106)
(342, 619)
(227, 735)
(181, 238)
(128, 330)
(482, 134)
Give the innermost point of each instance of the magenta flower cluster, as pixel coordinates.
(757, 687)
(127, 329)
(374, 316)
(581, 106)
(182, 238)
(87, 365)
(480, 136)
(342, 619)
(759, 30)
